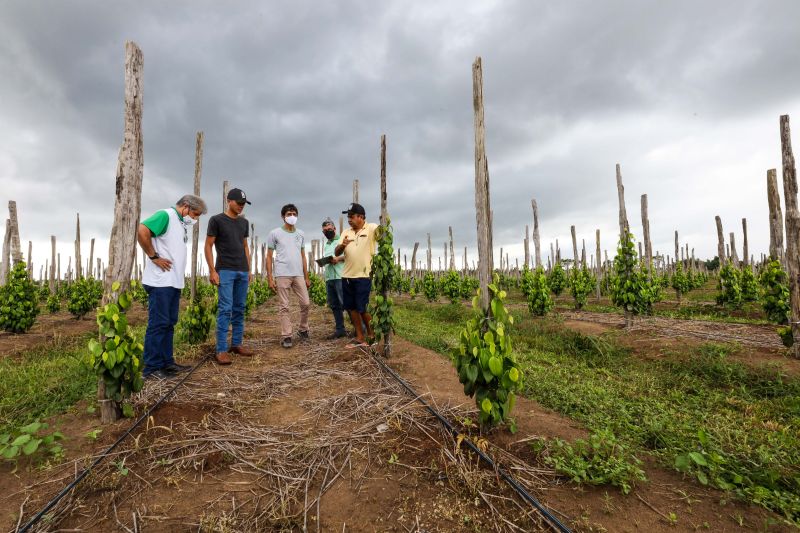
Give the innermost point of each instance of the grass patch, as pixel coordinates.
(744, 424)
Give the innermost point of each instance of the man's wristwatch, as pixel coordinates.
(155, 256)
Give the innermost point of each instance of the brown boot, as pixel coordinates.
(223, 358)
(241, 350)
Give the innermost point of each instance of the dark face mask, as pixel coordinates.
(329, 233)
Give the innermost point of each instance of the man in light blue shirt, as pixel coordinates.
(333, 277)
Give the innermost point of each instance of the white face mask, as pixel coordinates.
(291, 220)
(189, 221)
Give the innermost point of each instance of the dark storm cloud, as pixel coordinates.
(293, 97)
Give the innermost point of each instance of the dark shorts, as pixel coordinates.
(355, 292)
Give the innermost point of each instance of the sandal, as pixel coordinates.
(356, 344)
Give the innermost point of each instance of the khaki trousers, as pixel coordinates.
(296, 284)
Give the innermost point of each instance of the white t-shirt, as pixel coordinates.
(169, 245)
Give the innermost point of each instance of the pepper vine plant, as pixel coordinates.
(485, 361)
(117, 357)
(19, 301)
(382, 275)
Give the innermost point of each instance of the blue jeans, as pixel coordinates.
(232, 292)
(162, 315)
(335, 302)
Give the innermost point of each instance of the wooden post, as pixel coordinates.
(387, 339)
(525, 247)
(78, 262)
(452, 249)
(598, 265)
(482, 199)
(198, 173)
(537, 250)
(720, 242)
(225, 188)
(58, 272)
(745, 251)
(792, 229)
(640, 251)
(430, 253)
(100, 270)
(648, 244)
(775, 217)
(52, 280)
(16, 246)
(734, 254)
(677, 253)
(583, 253)
(128, 203)
(30, 261)
(355, 191)
(466, 262)
(341, 224)
(552, 257)
(575, 260)
(414, 261)
(5, 264)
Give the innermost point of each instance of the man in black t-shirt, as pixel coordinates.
(228, 233)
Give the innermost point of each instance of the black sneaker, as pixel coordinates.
(159, 374)
(175, 368)
(334, 336)
(286, 342)
(303, 335)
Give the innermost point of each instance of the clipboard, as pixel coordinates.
(322, 261)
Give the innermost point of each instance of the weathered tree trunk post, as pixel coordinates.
(78, 262)
(720, 242)
(537, 248)
(552, 257)
(100, 270)
(482, 199)
(387, 339)
(575, 259)
(52, 264)
(583, 253)
(355, 191)
(90, 269)
(623, 227)
(128, 202)
(198, 173)
(30, 260)
(641, 257)
(452, 249)
(226, 186)
(745, 251)
(341, 224)
(15, 244)
(5, 264)
(430, 253)
(734, 255)
(775, 217)
(414, 261)
(598, 265)
(648, 244)
(677, 255)
(792, 229)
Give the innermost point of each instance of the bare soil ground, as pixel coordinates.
(317, 438)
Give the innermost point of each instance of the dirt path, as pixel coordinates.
(317, 438)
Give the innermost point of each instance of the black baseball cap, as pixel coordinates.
(237, 195)
(355, 209)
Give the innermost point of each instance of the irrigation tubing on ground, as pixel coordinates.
(545, 512)
(110, 449)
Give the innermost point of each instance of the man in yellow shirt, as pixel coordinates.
(358, 246)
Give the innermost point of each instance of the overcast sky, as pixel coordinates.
(293, 97)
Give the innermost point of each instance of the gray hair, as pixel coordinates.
(327, 222)
(195, 203)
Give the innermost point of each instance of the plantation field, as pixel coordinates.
(253, 445)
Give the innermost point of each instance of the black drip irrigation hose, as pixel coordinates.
(105, 454)
(545, 512)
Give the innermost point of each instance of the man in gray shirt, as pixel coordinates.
(286, 245)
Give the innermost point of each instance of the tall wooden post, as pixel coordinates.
(482, 199)
(198, 173)
(525, 248)
(745, 250)
(355, 191)
(792, 229)
(623, 216)
(52, 264)
(387, 339)
(226, 186)
(734, 254)
(90, 269)
(128, 203)
(598, 265)
(537, 249)
(30, 260)
(677, 252)
(5, 264)
(720, 242)
(430, 253)
(452, 249)
(575, 260)
(648, 244)
(775, 217)
(78, 262)
(414, 261)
